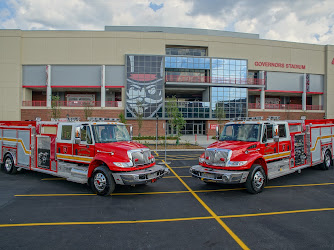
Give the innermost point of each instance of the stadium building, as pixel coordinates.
(134, 70)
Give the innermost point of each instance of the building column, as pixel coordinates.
(304, 93)
(262, 93)
(48, 86)
(103, 86)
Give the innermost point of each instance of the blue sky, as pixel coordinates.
(306, 21)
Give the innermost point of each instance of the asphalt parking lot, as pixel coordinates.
(176, 212)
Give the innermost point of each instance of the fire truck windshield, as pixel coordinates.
(241, 132)
(110, 133)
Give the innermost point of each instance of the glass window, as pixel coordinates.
(86, 136)
(66, 132)
(281, 130)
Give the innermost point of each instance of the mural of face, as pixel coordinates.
(144, 90)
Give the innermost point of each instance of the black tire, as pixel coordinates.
(327, 163)
(256, 179)
(8, 165)
(102, 182)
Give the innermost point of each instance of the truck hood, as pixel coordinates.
(237, 147)
(118, 146)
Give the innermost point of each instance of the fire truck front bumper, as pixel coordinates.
(218, 175)
(140, 176)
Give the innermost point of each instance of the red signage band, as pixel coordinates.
(280, 65)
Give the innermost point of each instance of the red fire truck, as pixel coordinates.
(254, 151)
(100, 154)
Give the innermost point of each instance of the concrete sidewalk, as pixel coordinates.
(200, 140)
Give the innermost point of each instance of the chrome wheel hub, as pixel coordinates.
(8, 164)
(100, 182)
(258, 180)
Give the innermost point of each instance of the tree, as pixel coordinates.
(88, 110)
(121, 117)
(176, 118)
(55, 106)
(140, 115)
(220, 112)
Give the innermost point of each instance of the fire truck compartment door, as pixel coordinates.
(43, 152)
(316, 145)
(23, 147)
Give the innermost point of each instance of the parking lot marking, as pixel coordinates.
(227, 229)
(277, 213)
(301, 185)
(156, 153)
(103, 222)
(168, 177)
(163, 220)
(174, 192)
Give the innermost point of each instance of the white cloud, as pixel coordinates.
(299, 21)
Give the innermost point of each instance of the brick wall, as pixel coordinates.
(148, 127)
(45, 114)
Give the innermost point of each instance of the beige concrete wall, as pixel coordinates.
(99, 47)
(19, 48)
(329, 82)
(10, 74)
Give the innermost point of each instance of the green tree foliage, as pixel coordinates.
(176, 118)
(121, 117)
(55, 107)
(220, 112)
(88, 109)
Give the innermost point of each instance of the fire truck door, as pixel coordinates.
(64, 140)
(270, 146)
(84, 146)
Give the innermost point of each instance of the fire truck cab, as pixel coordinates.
(98, 153)
(254, 151)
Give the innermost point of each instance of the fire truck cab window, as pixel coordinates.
(66, 132)
(267, 132)
(86, 136)
(281, 130)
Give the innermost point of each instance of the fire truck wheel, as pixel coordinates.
(8, 165)
(327, 160)
(102, 181)
(256, 179)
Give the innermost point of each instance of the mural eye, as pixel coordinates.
(152, 91)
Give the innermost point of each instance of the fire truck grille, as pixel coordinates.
(141, 157)
(216, 157)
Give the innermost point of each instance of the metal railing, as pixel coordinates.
(284, 106)
(209, 79)
(73, 103)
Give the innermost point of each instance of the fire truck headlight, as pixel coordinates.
(124, 164)
(235, 163)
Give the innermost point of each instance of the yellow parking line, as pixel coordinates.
(156, 153)
(277, 213)
(176, 192)
(227, 229)
(102, 222)
(301, 185)
(168, 177)
(164, 220)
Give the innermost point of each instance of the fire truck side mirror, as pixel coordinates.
(77, 138)
(276, 137)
